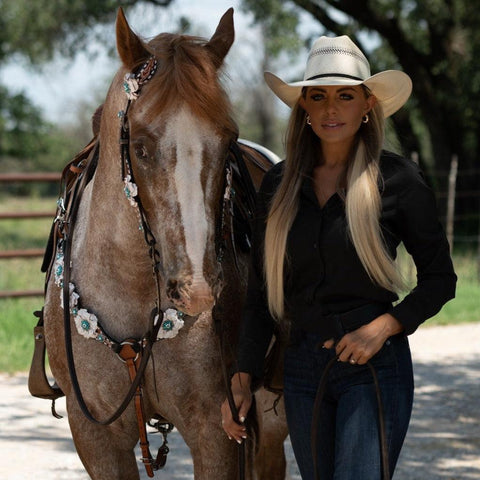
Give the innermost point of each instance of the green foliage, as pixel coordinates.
(280, 23)
(28, 143)
(39, 29)
(22, 128)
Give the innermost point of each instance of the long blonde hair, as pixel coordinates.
(362, 204)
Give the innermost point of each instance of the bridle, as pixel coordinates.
(135, 353)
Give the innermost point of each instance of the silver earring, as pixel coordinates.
(309, 122)
(365, 119)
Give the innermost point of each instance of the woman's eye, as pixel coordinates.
(346, 96)
(316, 97)
(141, 152)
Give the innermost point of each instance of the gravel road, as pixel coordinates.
(443, 442)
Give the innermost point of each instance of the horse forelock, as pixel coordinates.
(187, 74)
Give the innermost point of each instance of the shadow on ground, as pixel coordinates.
(443, 441)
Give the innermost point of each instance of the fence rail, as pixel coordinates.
(29, 253)
(30, 177)
(21, 293)
(19, 215)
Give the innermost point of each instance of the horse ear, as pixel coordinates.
(222, 39)
(130, 48)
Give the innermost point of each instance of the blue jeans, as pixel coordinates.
(348, 440)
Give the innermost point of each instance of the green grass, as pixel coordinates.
(16, 315)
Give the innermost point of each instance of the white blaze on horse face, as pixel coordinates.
(193, 140)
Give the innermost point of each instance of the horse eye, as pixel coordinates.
(141, 152)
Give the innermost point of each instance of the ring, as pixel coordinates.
(352, 360)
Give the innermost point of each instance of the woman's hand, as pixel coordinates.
(362, 344)
(242, 396)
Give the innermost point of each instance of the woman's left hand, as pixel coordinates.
(359, 346)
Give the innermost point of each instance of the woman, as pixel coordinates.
(329, 220)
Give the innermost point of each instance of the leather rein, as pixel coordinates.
(133, 352)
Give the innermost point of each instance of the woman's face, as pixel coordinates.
(336, 112)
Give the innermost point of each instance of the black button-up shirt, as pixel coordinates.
(324, 274)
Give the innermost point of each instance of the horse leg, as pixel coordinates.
(214, 455)
(107, 452)
(270, 462)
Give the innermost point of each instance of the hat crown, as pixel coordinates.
(336, 57)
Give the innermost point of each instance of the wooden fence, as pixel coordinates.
(27, 253)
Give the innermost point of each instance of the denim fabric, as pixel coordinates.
(348, 435)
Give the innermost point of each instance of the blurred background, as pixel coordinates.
(57, 58)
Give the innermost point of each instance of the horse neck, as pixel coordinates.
(109, 226)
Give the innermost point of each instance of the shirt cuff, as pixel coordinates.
(406, 316)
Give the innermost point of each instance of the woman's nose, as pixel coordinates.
(331, 105)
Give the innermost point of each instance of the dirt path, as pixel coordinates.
(443, 442)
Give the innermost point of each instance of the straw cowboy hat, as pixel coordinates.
(338, 61)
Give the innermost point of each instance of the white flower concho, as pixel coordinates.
(172, 322)
(131, 86)
(131, 190)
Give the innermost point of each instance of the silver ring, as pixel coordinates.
(352, 360)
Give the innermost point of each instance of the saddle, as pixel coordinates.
(84, 162)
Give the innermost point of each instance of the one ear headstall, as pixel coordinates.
(133, 82)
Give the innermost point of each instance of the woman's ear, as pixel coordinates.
(370, 103)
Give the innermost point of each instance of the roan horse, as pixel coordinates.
(167, 185)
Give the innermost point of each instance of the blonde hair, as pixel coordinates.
(362, 205)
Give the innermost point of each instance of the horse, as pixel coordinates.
(151, 250)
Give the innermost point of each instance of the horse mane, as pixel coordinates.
(187, 73)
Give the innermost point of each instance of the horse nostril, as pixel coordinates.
(172, 290)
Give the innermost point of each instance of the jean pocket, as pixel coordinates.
(387, 355)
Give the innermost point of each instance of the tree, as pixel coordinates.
(435, 42)
(22, 128)
(39, 29)
(29, 143)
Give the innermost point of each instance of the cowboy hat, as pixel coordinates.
(338, 61)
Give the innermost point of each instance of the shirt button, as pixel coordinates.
(387, 342)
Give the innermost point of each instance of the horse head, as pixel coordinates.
(179, 130)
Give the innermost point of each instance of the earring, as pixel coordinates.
(309, 122)
(365, 119)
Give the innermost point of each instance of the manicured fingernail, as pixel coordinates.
(244, 436)
(242, 419)
(239, 442)
(229, 438)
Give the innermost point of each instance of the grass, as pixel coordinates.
(16, 315)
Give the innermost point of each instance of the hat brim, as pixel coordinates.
(392, 88)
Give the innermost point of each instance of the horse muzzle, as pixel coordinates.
(192, 298)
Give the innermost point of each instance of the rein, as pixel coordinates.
(316, 419)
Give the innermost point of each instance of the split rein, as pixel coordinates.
(133, 352)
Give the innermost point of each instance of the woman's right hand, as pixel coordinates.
(242, 396)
